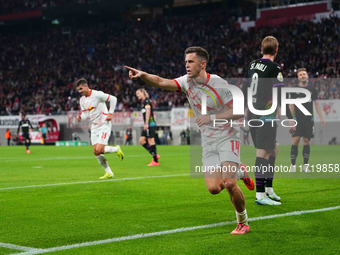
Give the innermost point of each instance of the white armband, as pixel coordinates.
(213, 117)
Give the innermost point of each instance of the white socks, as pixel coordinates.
(260, 195)
(110, 149)
(270, 190)
(240, 173)
(103, 162)
(242, 217)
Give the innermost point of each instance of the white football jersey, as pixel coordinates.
(94, 106)
(218, 98)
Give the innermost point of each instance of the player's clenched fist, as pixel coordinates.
(203, 120)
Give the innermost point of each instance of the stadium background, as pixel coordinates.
(52, 201)
(46, 45)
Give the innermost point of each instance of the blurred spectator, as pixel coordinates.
(128, 136)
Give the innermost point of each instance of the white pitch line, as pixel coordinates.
(63, 158)
(18, 247)
(173, 231)
(111, 180)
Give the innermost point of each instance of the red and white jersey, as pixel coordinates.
(94, 107)
(218, 98)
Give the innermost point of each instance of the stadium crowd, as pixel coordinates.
(37, 69)
(19, 6)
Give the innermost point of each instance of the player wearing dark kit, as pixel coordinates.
(25, 124)
(305, 123)
(261, 77)
(147, 139)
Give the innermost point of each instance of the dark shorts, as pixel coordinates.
(149, 133)
(305, 129)
(26, 136)
(264, 137)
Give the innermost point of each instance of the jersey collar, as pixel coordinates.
(90, 93)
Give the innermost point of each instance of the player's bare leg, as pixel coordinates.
(229, 176)
(98, 150)
(214, 182)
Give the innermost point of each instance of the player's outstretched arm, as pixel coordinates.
(151, 79)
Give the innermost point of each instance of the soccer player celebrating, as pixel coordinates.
(25, 124)
(92, 104)
(149, 129)
(305, 124)
(261, 76)
(220, 144)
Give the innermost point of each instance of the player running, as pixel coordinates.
(92, 104)
(25, 125)
(305, 123)
(220, 144)
(261, 76)
(147, 139)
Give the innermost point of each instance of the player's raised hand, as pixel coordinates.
(134, 73)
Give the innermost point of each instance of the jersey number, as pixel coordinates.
(253, 85)
(104, 135)
(235, 146)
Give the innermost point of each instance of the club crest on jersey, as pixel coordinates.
(91, 108)
(279, 77)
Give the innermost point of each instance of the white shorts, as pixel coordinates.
(101, 134)
(218, 150)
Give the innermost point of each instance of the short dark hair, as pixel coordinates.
(301, 69)
(201, 52)
(80, 82)
(269, 45)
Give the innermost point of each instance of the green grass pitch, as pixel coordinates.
(79, 208)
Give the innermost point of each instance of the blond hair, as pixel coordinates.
(269, 45)
(146, 94)
(301, 70)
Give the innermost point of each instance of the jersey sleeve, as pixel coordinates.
(315, 94)
(83, 112)
(103, 97)
(277, 77)
(181, 83)
(30, 124)
(147, 103)
(226, 95)
(19, 126)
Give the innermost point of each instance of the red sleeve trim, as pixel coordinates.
(83, 110)
(229, 103)
(179, 87)
(105, 113)
(108, 98)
